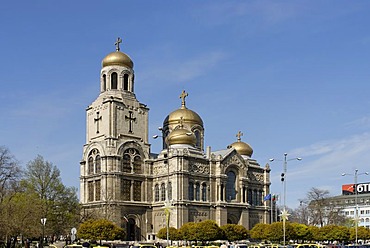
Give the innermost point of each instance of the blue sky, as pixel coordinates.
(293, 76)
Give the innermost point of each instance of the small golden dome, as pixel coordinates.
(183, 115)
(241, 147)
(181, 136)
(117, 58)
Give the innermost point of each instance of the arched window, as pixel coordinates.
(104, 82)
(90, 165)
(163, 192)
(125, 82)
(197, 192)
(126, 163)
(230, 186)
(132, 161)
(97, 164)
(137, 164)
(191, 191)
(156, 193)
(204, 192)
(169, 190)
(198, 138)
(114, 80)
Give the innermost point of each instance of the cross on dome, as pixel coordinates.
(118, 41)
(239, 135)
(183, 96)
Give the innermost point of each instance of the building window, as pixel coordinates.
(90, 190)
(249, 197)
(198, 139)
(137, 190)
(131, 161)
(230, 186)
(90, 165)
(169, 190)
(156, 193)
(137, 164)
(254, 197)
(104, 82)
(126, 163)
(197, 192)
(125, 189)
(114, 81)
(204, 192)
(191, 191)
(98, 164)
(125, 82)
(163, 192)
(97, 190)
(222, 192)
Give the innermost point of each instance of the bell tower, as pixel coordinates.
(116, 141)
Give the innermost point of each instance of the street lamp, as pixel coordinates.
(43, 222)
(284, 214)
(355, 174)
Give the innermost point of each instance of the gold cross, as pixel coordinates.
(239, 135)
(118, 41)
(183, 96)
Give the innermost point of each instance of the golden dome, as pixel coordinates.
(241, 147)
(188, 116)
(117, 58)
(183, 115)
(181, 136)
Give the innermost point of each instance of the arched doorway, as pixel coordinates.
(131, 229)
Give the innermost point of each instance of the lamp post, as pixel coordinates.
(355, 174)
(43, 222)
(284, 214)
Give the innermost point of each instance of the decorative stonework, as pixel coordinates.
(199, 168)
(233, 160)
(254, 176)
(159, 169)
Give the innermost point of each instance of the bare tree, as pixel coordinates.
(10, 173)
(318, 206)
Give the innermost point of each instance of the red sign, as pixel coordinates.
(348, 189)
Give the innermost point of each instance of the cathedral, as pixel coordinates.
(122, 180)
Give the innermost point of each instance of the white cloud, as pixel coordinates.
(180, 70)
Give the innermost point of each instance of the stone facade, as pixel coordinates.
(123, 181)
